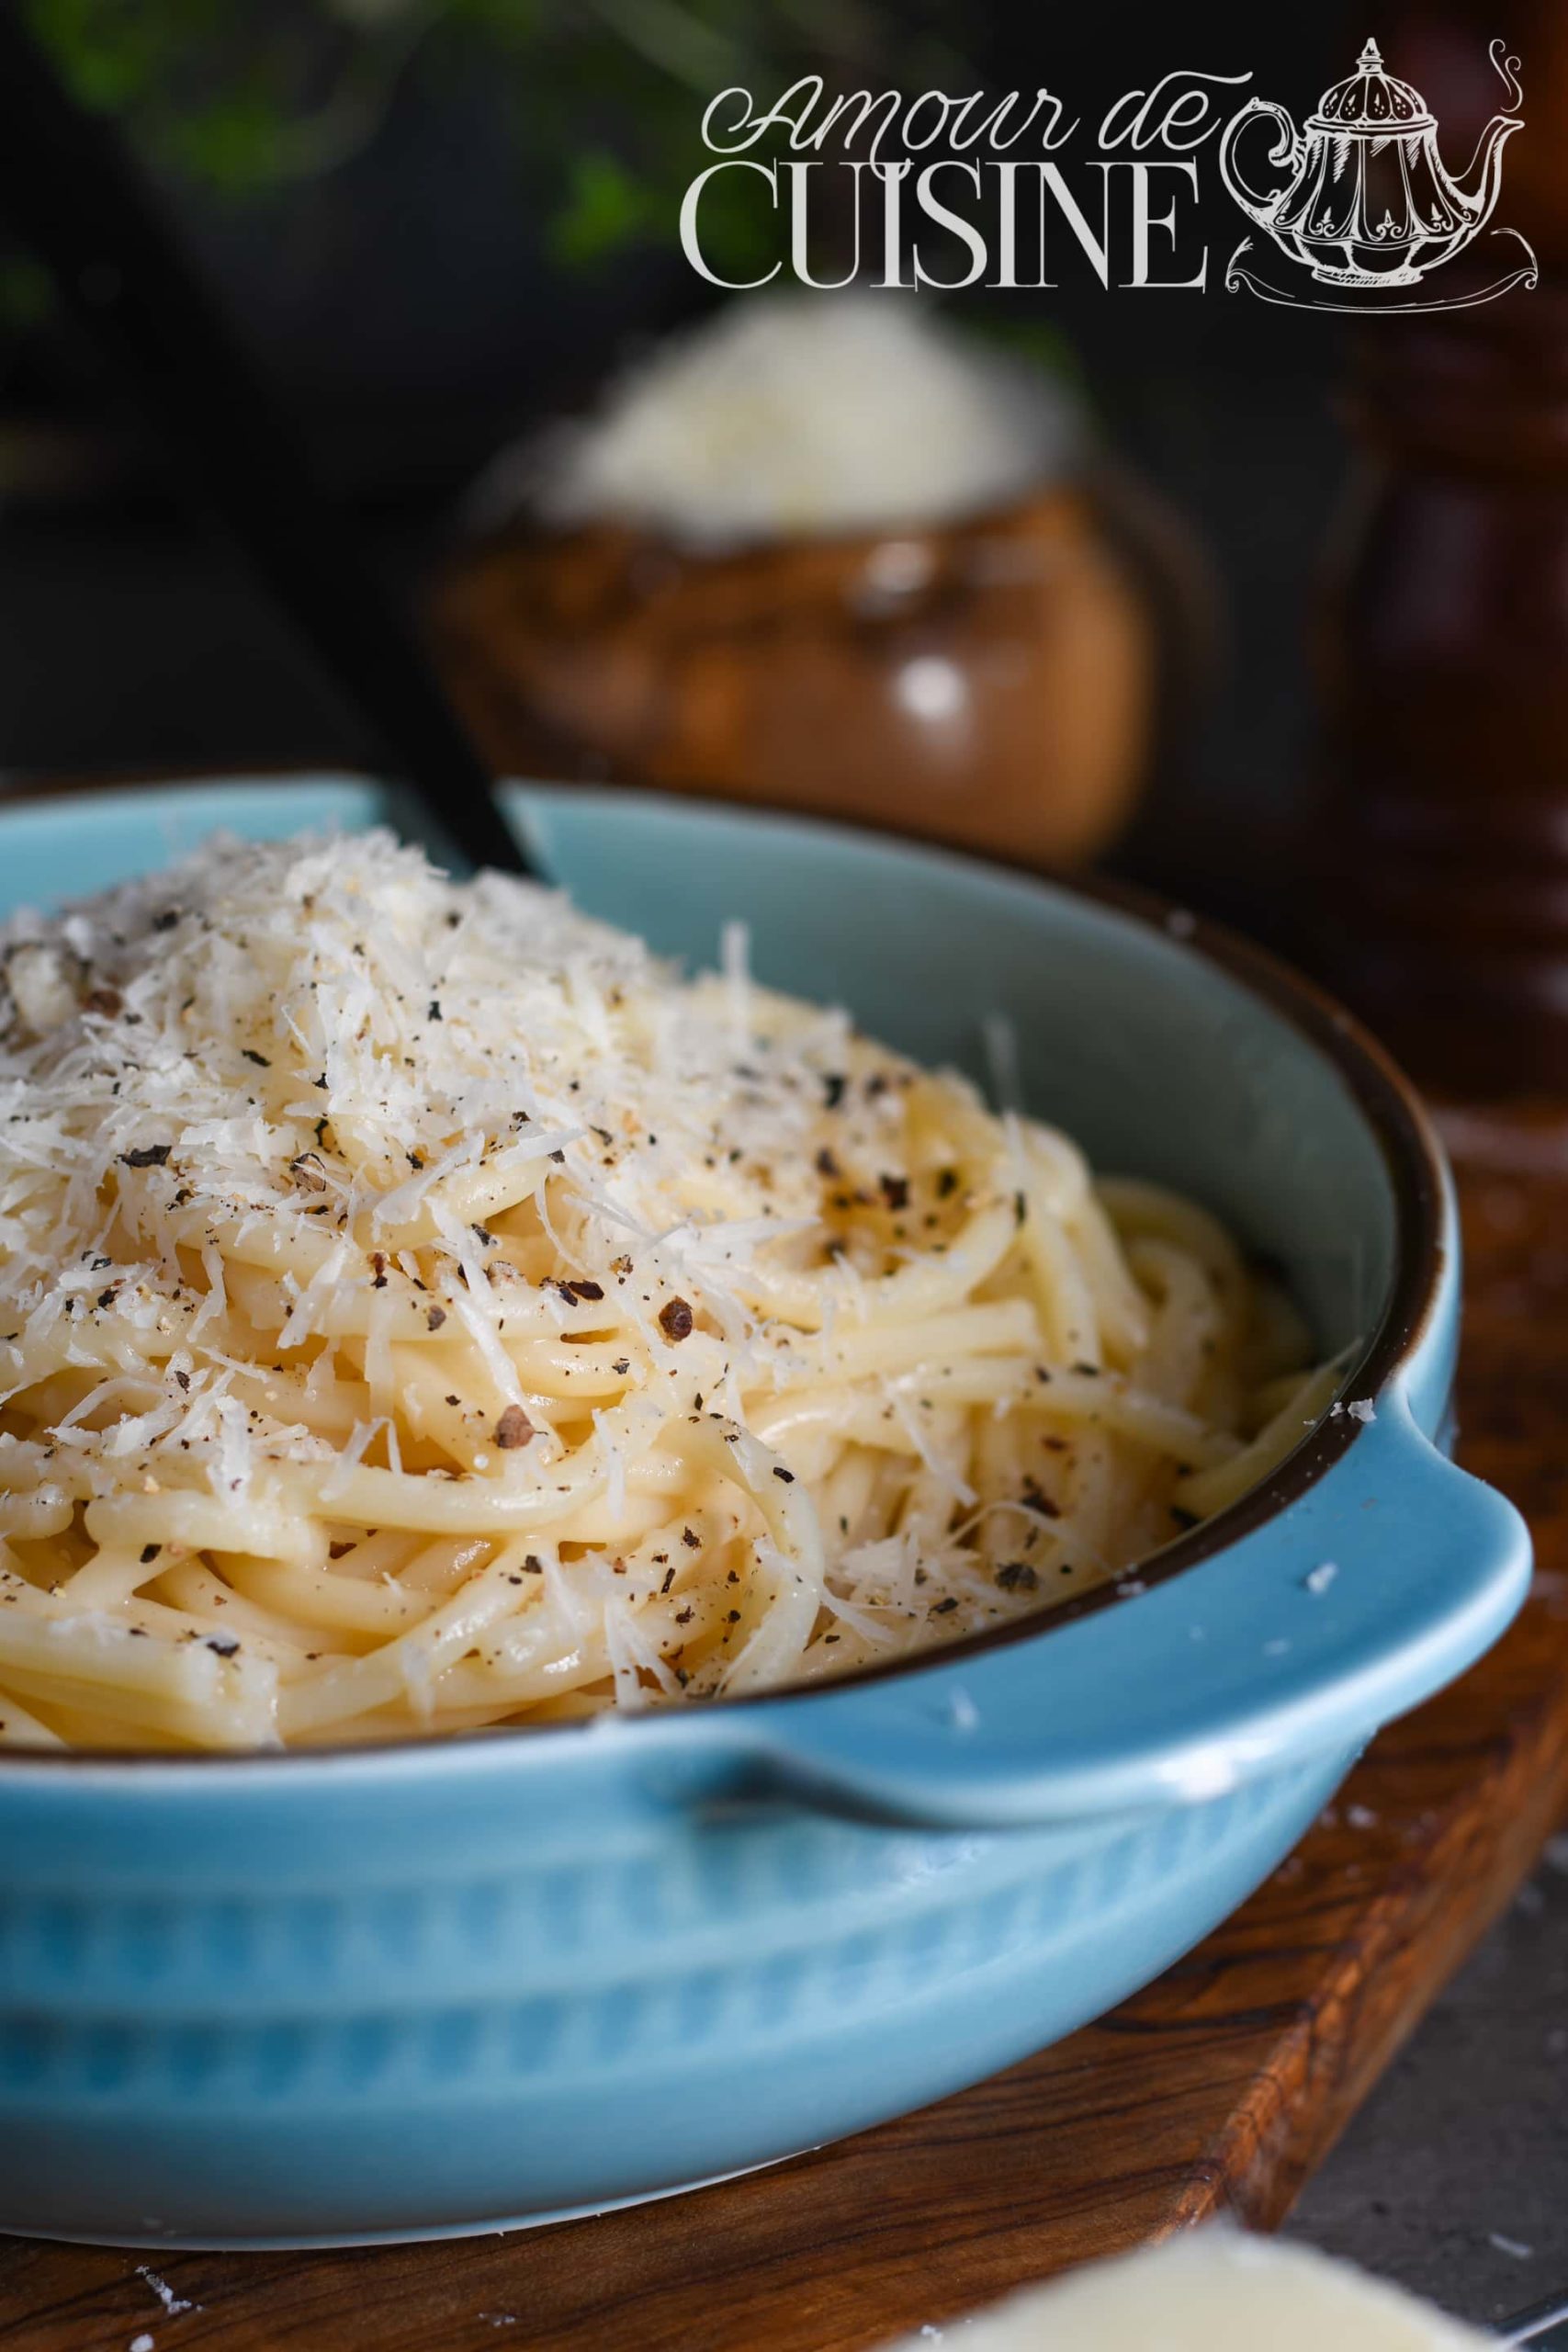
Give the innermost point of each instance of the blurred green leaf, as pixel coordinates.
(236, 143)
(607, 207)
(26, 294)
(605, 96)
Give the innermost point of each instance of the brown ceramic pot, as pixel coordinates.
(997, 682)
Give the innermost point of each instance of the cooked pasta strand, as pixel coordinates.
(422, 1311)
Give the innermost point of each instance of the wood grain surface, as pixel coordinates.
(1218, 2087)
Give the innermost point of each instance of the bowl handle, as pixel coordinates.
(1379, 1583)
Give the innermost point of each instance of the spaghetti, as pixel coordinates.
(421, 1309)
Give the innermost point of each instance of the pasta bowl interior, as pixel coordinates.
(856, 1563)
(422, 1310)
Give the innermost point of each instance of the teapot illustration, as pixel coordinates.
(1368, 202)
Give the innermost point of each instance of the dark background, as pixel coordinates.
(415, 303)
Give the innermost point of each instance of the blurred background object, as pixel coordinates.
(445, 222)
(825, 552)
(1441, 906)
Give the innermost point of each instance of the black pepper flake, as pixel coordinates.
(833, 1085)
(320, 1083)
(622, 1365)
(675, 1319)
(895, 1190)
(1017, 1575)
(107, 1297)
(1089, 1371)
(150, 1553)
(184, 1379)
(575, 1293)
(947, 1183)
(378, 1268)
(150, 1155)
(108, 1001)
(222, 1645)
(321, 1128)
(785, 1478)
(559, 1158)
(514, 1429)
(251, 1055)
(1038, 1499)
(684, 1616)
(690, 1537)
(827, 1165)
(534, 1565)
(433, 1317)
(1020, 1208)
(434, 1012)
(167, 919)
(944, 1608)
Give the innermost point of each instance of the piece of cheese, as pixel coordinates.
(773, 419)
(1211, 2290)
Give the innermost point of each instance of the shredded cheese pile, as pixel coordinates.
(777, 417)
(419, 1308)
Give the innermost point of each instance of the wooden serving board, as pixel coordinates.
(1218, 2087)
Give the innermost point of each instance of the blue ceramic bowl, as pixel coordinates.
(411, 1990)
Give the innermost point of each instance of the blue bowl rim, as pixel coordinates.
(1386, 1098)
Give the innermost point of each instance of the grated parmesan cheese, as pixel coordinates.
(774, 418)
(422, 1308)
